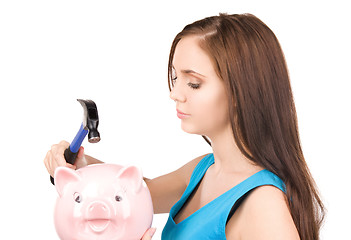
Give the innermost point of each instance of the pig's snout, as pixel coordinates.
(98, 210)
(98, 216)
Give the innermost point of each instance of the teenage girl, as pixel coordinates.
(229, 79)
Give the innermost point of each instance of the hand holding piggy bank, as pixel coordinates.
(102, 202)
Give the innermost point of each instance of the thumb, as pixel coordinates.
(149, 233)
(80, 160)
(80, 153)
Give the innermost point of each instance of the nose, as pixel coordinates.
(177, 95)
(98, 210)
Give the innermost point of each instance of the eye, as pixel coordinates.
(118, 198)
(173, 80)
(173, 74)
(77, 197)
(193, 85)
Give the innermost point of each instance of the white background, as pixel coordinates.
(116, 53)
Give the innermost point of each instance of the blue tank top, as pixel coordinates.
(209, 222)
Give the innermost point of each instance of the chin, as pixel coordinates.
(191, 129)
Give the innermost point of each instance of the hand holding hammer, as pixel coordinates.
(54, 157)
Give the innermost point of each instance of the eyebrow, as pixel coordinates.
(189, 71)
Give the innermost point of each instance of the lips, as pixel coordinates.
(182, 115)
(181, 112)
(98, 225)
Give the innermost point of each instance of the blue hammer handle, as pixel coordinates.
(72, 151)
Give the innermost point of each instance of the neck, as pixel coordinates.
(228, 157)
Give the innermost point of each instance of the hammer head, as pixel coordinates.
(90, 120)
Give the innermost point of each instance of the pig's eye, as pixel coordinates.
(118, 198)
(77, 197)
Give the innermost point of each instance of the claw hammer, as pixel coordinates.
(88, 127)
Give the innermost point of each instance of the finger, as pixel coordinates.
(149, 233)
(80, 153)
(64, 144)
(71, 166)
(58, 155)
(50, 164)
(60, 148)
(46, 161)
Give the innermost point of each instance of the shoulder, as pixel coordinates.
(267, 211)
(186, 171)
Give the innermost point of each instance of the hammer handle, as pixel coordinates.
(52, 180)
(70, 157)
(71, 152)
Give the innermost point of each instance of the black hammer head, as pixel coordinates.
(90, 120)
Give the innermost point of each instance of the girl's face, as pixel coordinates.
(198, 91)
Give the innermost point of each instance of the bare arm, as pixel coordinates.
(86, 160)
(167, 189)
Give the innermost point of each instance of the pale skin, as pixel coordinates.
(264, 214)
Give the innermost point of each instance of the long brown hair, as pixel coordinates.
(248, 58)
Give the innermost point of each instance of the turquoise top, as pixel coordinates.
(209, 222)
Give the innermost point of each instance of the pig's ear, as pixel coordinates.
(63, 176)
(131, 177)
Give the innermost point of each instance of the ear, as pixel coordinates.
(131, 177)
(63, 176)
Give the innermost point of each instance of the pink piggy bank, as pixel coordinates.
(102, 202)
